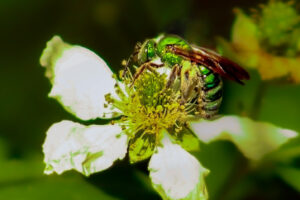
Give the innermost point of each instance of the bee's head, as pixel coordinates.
(144, 52)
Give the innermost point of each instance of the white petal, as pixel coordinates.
(176, 174)
(87, 149)
(80, 79)
(254, 139)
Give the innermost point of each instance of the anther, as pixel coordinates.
(124, 63)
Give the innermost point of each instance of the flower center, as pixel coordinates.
(148, 105)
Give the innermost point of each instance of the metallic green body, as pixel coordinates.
(167, 56)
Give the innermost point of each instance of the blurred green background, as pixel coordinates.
(111, 28)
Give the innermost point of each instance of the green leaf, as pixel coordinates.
(253, 139)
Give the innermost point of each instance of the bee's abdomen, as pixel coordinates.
(211, 92)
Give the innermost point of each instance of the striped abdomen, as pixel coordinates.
(211, 92)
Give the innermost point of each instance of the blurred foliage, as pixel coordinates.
(267, 39)
(279, 26)
(111, 28)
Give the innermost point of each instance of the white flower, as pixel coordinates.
(83, 83)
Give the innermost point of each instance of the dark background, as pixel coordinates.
(111, 28)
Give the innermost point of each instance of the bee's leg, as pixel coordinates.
(188, 80)
(139, 71)
(174, 73)
(149, 66)
(126, 72)
(130, 61)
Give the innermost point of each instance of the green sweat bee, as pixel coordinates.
(199, 70)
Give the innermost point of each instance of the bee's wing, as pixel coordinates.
(231, 69)
(214, 62)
